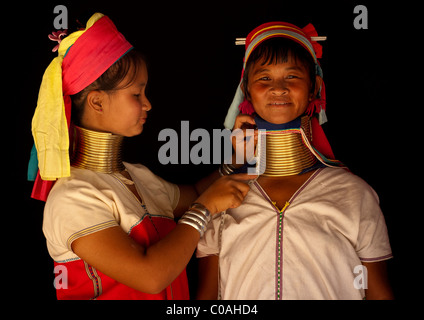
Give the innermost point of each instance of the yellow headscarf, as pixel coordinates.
(49, 124)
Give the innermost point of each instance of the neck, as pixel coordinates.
(286, 153)
(97, 151)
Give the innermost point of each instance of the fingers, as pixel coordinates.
(226, 192)
(239, 193)
(244, 121)
(240, 186)
(243, 145)
(243, 131)
(238, 200)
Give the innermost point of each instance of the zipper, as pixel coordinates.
(279, 236)
(279, 249)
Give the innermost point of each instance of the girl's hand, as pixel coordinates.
(226, 192)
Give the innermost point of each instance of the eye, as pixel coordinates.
(292, 77)
(264, 78)
(137, 95)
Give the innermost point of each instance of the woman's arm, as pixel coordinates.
(378, 281)
(208, 278)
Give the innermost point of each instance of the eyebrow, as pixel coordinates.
(296, 68)
(260, 71)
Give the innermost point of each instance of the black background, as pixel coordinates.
(194, 69)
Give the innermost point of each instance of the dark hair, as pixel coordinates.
(279, 50)
(109, 81)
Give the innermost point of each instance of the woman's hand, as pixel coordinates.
(243, 141)
(226, 192)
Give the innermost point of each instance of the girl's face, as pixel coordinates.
(279, 92)
(125, 110)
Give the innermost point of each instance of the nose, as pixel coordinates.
(146, 105)
(280, 88)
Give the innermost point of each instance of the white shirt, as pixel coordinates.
(88, 201)
(309, 250)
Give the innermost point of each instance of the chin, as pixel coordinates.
(280, 119)
(132, 133)
(137, 131)
(278, 115)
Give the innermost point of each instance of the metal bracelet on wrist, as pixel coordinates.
(200, 207)
(198, 217)
(226, 169)
(193, 224)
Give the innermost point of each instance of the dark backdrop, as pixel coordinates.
(194, 68)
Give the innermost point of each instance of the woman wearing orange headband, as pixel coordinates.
(110, 225)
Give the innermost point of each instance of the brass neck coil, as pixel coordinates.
(97, 151)
(286, 153)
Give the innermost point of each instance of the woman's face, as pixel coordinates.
(125, 110)
(279, 92)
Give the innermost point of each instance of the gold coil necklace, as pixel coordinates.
(286, 153)
(97, 151)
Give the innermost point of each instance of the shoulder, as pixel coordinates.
(82, 186)
(341, 181)
(339, 176)
(76, 203)
(340, 193)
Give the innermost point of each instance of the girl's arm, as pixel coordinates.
(152, 269)
(208, 278)
(378, 281)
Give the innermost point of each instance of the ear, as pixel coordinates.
(95, 101)
(318, 84)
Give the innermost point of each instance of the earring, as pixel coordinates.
(246, 107)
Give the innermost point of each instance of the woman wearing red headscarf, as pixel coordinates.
(110, 225)
(308, 228)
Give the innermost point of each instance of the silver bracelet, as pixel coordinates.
(198, 217)
(200, 207)
(193, 224)
(226, 169)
